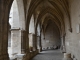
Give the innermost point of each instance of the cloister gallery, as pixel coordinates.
(28, 27)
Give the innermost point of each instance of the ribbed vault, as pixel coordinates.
(50, 9)
(46, 23)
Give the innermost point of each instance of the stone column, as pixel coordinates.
(34, 42)
(15, 41)
(40, 38)
(23, 42)
(0, 38)
(38, 43)
(31, 41)
(64, 48)
(4, 30)
(62, 41)
(39, 46)
(63, 44)
(18, 44)
(27, 41)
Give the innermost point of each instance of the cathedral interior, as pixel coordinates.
(39, 29)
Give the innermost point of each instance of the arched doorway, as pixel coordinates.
(17, 23)
(32, 34)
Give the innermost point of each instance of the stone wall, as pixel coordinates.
(52, 37)
(72, 40)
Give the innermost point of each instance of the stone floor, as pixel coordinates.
(49, 55)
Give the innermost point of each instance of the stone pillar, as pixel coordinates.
(34, 42)
(0, 39)
(27, 41)
(18, 43)
(38, 43)
(62, 41)
(63, 44)
(15, 41)
(23, 42)
(3, 30)
(31, 41)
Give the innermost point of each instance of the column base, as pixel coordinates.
(63, 50)
(40, 50)
(20, 56)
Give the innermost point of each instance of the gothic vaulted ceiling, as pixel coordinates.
(46, 10)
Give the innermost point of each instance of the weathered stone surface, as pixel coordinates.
(64, 13)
